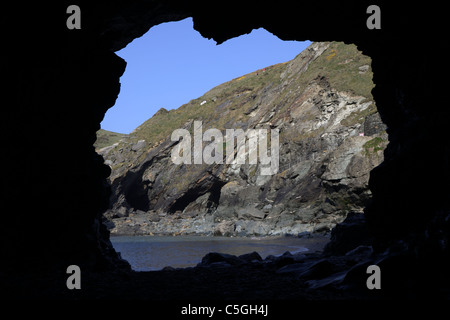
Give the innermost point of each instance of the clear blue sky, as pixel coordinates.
(172, 64)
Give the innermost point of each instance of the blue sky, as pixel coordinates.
(172, 64)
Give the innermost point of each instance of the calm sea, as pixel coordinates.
(149, 253)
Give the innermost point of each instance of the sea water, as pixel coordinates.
(149, 253)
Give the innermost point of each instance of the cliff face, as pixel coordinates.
(330, 137)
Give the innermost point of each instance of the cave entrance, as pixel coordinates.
(318, 97)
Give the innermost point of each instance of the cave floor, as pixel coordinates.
(248, 282)
(216, 282)
(251, 281)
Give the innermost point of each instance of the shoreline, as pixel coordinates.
(138, 249)
(142, 225)
(315, 241)
(210, 235)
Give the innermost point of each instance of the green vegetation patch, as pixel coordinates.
(232, 98)
(107, 138)
(225, 105)
(374, 145)
(340, 64)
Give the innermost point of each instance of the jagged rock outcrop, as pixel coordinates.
(330, 133)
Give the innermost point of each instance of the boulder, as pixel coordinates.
(349, 234)
(138, 145)
(251, 257)
(224, 228)
(215, 257)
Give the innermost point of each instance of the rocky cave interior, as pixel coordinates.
(60, 83)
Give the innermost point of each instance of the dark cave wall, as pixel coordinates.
(411, 187)
(55, 181)
(60, 83)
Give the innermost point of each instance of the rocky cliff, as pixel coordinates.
(330, 137)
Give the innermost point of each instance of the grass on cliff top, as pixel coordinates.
(229, 94)
(340, 65)
(226, 103)
(107, 138)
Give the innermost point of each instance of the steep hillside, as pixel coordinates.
(330, 137)
(107, 138)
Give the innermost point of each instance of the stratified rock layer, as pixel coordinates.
(331, 136)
